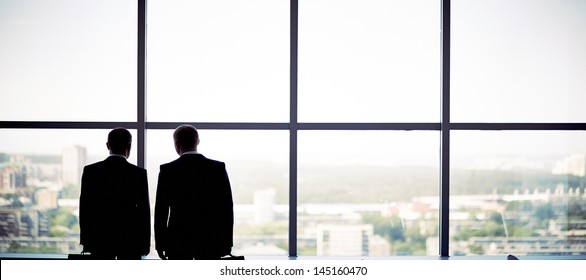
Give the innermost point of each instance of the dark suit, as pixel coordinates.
(196, 191)
(114, 209)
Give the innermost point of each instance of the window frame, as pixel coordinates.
(445, 126)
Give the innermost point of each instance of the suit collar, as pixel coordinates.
(191, 155)
(116, 158)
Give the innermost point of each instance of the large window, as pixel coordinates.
(369, 61)
(367, 193)
(257, 166)
(518, 65)
(348, 128)
(518, 192)
(40, 176)
(211, 61)
(518, 61)
(68, 60)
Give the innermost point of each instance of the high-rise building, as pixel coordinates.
(12, 179)
(73, 161)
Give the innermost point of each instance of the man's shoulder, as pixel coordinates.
(213, 161)
(110, 162)
(135, 167)
(95, 165)
(192, 159)
(171, 163)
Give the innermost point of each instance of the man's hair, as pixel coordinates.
(119, 139)
(186, 135)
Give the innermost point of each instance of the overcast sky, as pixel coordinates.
(228, 61)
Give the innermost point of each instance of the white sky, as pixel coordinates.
(359, 61)
(518, 61)
(68, 60)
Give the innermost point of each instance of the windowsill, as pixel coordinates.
(319, 258)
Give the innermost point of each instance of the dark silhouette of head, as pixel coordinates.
(119, 141)
(186, 139)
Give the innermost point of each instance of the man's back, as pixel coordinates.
(114, 208)
(196, 191)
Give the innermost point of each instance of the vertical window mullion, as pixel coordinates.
(293, 127)
(141, 84)
(444, 218)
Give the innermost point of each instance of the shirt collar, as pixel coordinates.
(116, 155)
(190, 153)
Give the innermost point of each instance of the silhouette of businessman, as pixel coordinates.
(194, 214)
(114, 209)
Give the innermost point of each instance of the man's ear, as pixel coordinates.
(177, 148)
(128, 148)
(108, 145)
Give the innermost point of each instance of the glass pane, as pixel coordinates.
(368, 193)
(257, 165)
(40, 176)
(68, 60)
(518, 192)
(518, 61)
(369, 61)
(218, 60)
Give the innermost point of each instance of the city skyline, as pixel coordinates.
(261, 223)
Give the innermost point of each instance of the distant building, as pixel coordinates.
(378, 246)
(12, 179)
(73, 161)
(344, 240)
(572, 165)
(23, 223)
(264, 201)
(46, 199)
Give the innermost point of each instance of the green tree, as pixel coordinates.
(544, 213)
(464, 233)
(400, 248)
(520, 206)
(576, 212)
(476, 249)
(62, 217)
(59, 231)
(520, 231)
(388, 227)
(491, 229)
(15, 247)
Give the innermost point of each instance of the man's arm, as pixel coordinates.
(161, 214)
(227, 208)
(85, 214)
(144, 209)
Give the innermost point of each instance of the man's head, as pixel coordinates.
(186, 139)
(119, 141)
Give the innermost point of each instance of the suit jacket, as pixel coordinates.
(194, 210)
(114, 208)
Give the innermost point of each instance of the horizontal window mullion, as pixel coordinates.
(219, 125)
(369, 126)
(517, 126)
(65, 125)
(300, 126)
